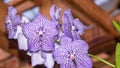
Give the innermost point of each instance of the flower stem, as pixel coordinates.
(102, 60)
(57, 41)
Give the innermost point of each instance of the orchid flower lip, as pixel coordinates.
(9, 21)
(73, 28)
(40, 32)
(72, 57)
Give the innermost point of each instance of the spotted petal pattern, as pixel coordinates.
(72, 27)
(79, 51)
(40, 34)
(12, 21)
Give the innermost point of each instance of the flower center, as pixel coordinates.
(9, 21)
(72, 56)
(40, 32)
(73, 27)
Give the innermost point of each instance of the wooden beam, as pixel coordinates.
(103, 47)
(14, 2)
(3, 14)
(96, 33)
(99, 40)
(19, 4)
(26, 4)
(44, 6)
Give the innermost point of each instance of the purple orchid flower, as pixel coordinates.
(12, 21)
(55, 12)
(42, 57)
(55, 15)
(22, 40)
(72, 54)
(72, 27)
(40, 34)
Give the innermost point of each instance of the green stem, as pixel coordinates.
(57, 41)
(102, 60)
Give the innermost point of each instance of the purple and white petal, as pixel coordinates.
(19, 30)
(69, 15)
(65, 41)
(49, 61)
(57, 45)
(15, 20)
(83, 61)
(65, 19)
(11, 11)
(11, 34)
(36, 59)
(66, 27)
(79, 47)
(67, 30)
(22, 42)
(34, 45)
(56, 23)
(11, 25)
(80, 50)
(75, 35)
(30, 30)
(39, 20)
(70, 64)
(52, 11)
(12, 21)
(61, 55)
(57, 13)
(61, 33)
(48, 43)
(79, 25)
(50, 29)
(29, 53)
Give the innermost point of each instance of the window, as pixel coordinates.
(31, 13)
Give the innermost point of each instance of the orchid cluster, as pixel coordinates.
(40, 38)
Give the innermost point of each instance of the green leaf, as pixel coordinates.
(117, 55)
(116, 25)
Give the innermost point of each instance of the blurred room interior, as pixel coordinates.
(96, 14)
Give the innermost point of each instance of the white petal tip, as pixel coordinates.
(36, 59)
(49, 60)
(22, 42)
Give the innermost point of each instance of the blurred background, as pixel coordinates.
(96, 14)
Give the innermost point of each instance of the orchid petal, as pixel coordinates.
(57, 13)
(49, 60)
(52, 11)
(22, 42)
(29, 53)
(19, 30)
(36, 59)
